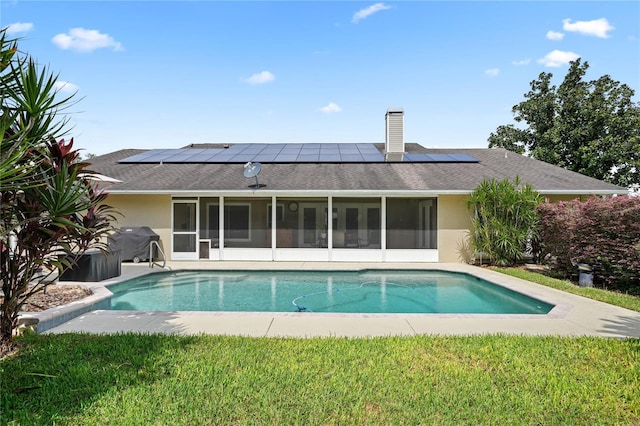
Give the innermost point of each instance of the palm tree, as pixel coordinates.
(503, 219)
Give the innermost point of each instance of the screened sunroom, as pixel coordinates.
(304, 228)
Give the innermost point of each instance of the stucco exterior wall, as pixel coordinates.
(565, 197)
(454, 223)
(153, 211)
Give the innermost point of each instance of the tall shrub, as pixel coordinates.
(51, 209)
(503, 217)
(556, 230)
(602, 232)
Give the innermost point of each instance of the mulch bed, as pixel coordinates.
(56, 295)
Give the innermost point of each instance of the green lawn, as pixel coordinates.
(79, 379)
(612, 297)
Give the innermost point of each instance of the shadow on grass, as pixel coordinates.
(54, 377)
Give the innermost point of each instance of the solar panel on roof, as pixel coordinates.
(136, 158)
(292, 153)
(286, 158)
(206, 157)
(147, 156)
(444, 158)
(351, 158)
(180, 158)
(265, 158)
(463, 158)
(329, 158)
(242, 158)
(272, 150)
(254, 149)
(162, 156)
(235, 149)
(371, 158)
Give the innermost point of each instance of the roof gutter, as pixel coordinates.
(346, 193)
(622, 191)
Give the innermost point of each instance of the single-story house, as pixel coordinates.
(378, 202)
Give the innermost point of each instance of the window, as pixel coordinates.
(213, 221)
(356, 222)
(412, 223)
(373, 225)
(309, 220)
(184, 217)
(236, 222)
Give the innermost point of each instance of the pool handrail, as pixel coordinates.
(164, 257)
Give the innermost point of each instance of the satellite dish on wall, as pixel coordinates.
(252, 170)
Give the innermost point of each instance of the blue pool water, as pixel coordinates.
(327, 291)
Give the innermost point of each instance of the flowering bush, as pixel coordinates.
(604, 233)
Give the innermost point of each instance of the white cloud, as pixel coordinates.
(330, 108)
(65, 86)
(492, 72)
(553, 35)
(84, 40)
(19, 27)
(261, 78)
(522, 62)
(368, 11)
(597, 27)
(558, 58)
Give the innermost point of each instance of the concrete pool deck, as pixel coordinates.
(572, 315)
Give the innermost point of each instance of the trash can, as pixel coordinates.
(585, 277)
(133, 243)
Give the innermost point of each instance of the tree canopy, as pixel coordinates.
(589, 127)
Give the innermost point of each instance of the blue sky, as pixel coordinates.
(166, 74)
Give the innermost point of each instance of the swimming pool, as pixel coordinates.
(379, 291)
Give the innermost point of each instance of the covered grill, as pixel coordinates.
(133, 243)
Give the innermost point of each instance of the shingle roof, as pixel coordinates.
(329, 177)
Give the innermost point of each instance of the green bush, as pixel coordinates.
(503, 217)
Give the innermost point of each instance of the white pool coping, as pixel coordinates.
(572, 315)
